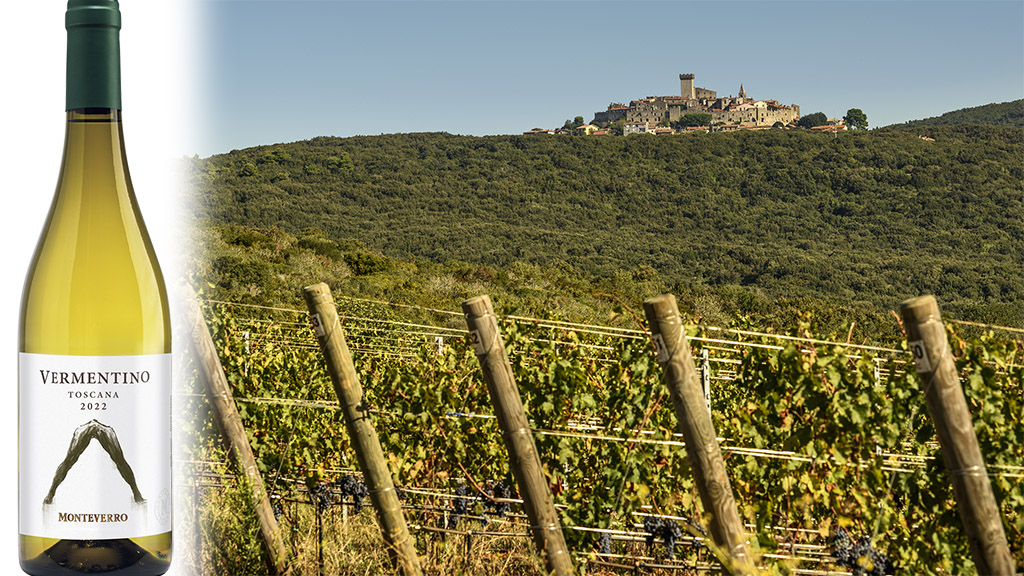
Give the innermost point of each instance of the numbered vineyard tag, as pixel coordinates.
(920, 356)
(660, 348)
(318, 326)
(478, 342)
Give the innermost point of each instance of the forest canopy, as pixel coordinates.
(866, 219)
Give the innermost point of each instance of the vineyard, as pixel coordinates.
(831, 455)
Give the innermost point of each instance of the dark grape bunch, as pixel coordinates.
(861, 556)
(499, 491)
(670, 532)
(351, 486)
(321, 497)
(460, 505)
(651, 525)
(667, 530)
(606, 542)
(696, 543)
(278, 510)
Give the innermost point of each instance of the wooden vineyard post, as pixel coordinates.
(324, 318)
(947, 406)
(222, 402)
(515, 431)
(686, 389)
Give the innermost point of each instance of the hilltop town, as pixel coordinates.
(694, 109)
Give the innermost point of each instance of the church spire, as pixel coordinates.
(743, 93)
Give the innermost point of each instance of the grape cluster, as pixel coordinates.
(278, 510)
(606, 543)
(861, 556)
(498, 491)
(460, 505)
(351, 486)
(321, 497)
(667, 530)
(651, 525)
(696, 543)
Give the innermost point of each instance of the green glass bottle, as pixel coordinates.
(95, 343)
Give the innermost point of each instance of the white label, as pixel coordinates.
(920, 356)
(478, 342)
(95, 446)
(318, 326)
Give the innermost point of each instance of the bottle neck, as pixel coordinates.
(94, 54)
(94, 153)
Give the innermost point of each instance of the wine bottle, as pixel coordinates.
(95, 343)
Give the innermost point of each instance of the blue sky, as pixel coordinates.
(279, 71)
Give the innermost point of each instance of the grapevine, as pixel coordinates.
(842, 415)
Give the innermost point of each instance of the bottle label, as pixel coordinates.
(95, 446)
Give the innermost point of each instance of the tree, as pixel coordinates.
(248, 170)
(812, 120)
(688, 120)
(574, 123)
(341, 163)
(856, 118)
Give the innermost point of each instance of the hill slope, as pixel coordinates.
(1002, 114)
(871, 217)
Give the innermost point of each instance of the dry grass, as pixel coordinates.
(217, 535)
(355, 547)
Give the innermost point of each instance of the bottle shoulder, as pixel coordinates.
(94, 285)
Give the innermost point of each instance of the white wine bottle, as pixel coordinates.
(95, 343)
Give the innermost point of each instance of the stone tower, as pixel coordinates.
(743, 93)
(686, 87)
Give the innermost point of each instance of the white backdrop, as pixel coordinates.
(159, 44)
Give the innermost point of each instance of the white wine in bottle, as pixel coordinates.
(95, 343)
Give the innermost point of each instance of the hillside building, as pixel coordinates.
(636, 128)
(740, 110)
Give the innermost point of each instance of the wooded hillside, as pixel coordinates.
(1002, 114)
(867, 219)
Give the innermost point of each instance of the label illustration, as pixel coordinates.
(95, 447)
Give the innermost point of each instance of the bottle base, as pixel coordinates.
(121, 557)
